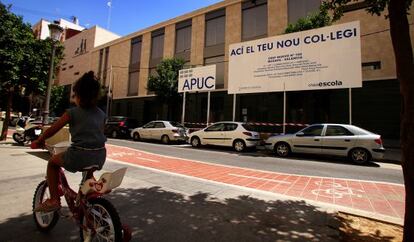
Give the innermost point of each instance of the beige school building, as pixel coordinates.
(202, 37)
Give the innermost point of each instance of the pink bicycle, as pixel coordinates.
(96, 217)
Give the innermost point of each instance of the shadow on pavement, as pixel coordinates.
(154, 214)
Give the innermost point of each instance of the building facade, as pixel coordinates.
(203, 37)
(77, 56)
(70, 29)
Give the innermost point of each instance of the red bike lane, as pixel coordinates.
(370, 197)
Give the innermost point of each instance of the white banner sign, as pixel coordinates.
(197, 79)
(323, 58)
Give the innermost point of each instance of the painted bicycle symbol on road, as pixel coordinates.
(336, 190)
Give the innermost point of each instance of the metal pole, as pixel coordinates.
(208, 108)
(284, 111)
(234, 107)
(109, 91)
(183, 113)
(49, 86)
(350, 105)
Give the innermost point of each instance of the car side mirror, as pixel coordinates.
(300, 134)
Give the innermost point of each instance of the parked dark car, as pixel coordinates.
(120, 126)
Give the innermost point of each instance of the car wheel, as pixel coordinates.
(165, 139)
(136, 136)
(114, 134)
(239, 145)
(359, 156)
(282, 149)
(195, 142)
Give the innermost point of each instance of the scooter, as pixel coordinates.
(26, 131)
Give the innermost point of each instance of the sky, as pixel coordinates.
(127, 16)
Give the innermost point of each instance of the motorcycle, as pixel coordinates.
(26, 131)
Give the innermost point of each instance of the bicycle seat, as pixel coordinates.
(90, 168)
(88, 171)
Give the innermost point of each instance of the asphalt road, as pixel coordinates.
(301, 164)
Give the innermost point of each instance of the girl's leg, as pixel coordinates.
(52, 172)
(53, 167)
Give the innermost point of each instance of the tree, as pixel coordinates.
(397, 12)
(24, 61)
(165, 83)
(57, 100)
(312, 21)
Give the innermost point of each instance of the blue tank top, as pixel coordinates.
(86, 126)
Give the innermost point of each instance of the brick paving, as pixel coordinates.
(374, 197)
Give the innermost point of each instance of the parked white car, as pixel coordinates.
(232, 134)
(165, 131)
(330, 139)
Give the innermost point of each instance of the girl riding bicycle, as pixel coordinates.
(86, 126)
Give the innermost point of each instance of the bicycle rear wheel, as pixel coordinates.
(105, 221)
(44, 221)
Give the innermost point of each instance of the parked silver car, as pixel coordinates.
(165, 131)
(330, 139)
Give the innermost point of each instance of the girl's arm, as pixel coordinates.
(54, 128)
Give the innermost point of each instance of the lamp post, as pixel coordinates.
(55, 34)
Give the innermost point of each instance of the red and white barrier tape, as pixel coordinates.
(263, 124)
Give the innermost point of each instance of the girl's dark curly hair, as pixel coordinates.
(87, 88)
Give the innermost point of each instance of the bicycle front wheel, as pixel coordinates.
(44, 221)
(102, 221)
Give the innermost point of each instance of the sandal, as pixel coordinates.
(48, 206)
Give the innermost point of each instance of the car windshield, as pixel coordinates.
(176, 124)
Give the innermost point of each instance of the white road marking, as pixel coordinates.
(258, 178)
(115, 155)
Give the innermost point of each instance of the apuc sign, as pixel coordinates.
(197, 79)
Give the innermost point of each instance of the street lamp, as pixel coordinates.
(55, 34)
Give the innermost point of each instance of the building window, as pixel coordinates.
(152, 72)
(301, 8)
(71, 66)
(183, 37)
(129, 109)
(219, 62)
(187, 65)
(254, 20)
(157, 46)
(76, 73)
(64, 69)
(157, 51)
(133, 81)
(215, 28)
(106, 69)
(374, 65)
(101, 51)
(134, 66)
(136, 46)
